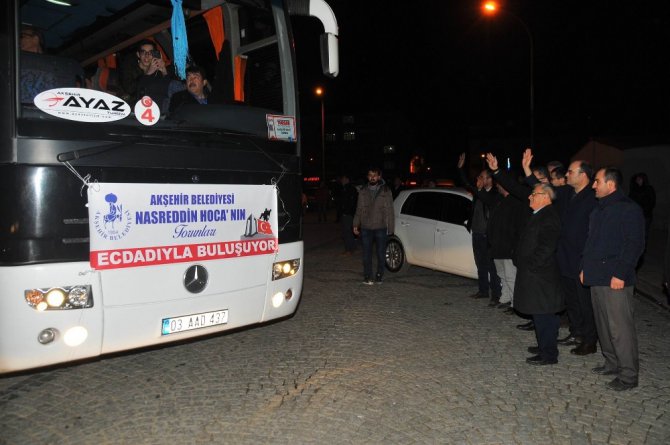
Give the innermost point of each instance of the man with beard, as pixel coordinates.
(374, 222)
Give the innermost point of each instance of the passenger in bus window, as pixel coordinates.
(146, 76)
(196, 92)
(40, 71)
(32, 40)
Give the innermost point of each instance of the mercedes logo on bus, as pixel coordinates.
(195, 279)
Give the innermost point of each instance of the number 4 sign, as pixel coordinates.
(147, 111)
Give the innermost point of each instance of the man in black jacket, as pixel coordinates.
(613, 247)
(487, 276)
(575, 202)
(537, 287)
(504, 229)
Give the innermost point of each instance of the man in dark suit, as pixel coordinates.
(574, 202)
(537, 287)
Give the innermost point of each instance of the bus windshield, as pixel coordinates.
(109, 66)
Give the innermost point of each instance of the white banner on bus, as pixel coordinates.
(135, 225)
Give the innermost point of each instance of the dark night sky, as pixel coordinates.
(602, 68)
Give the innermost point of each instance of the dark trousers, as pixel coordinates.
(546, 331)
(487, 277)
(613, 310)
(378, 237)
(579, 309)
(347, 224)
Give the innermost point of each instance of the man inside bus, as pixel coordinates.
(146, 76)
(41, 72)
(197, 89)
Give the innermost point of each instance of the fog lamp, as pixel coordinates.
(75, 336)
(277, 299)
(46, 336)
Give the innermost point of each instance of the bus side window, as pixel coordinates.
(223, 88)
(42, 72)
(262, 82)
(105, 79)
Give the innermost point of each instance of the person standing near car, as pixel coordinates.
(487, 276)
(374, 222)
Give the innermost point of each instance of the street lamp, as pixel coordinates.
(491, 8)
(320, 93)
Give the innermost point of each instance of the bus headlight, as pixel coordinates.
(285, 269)
(58, 298)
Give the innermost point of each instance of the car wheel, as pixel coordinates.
(395, 256)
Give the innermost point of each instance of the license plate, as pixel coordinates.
(195, 321)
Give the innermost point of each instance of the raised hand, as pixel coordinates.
(492, 161)
(526, 160)
(461, 160)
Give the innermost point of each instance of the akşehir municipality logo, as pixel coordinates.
(116, 223)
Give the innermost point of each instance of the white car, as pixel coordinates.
(430, 231)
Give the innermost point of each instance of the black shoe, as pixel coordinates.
(509, 310)
(536, 360)
(584, 349)
(378, 279)
(534, 350)
(494, 303)
(619, 385)
(570, 340)
(601, 370)
(504, 305)
(530, 326)
(479, 295)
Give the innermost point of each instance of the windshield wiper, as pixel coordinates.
(86, 152)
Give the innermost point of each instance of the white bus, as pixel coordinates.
(150, 172)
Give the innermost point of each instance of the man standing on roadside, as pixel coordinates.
(537, 286)
(487, 275)
(575, 202)
(613, 247)
(374, 221)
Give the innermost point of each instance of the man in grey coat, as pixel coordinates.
(374, 222)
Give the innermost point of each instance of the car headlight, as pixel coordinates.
(58, 298)
(285, 269)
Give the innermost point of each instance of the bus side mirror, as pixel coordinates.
(330, 61)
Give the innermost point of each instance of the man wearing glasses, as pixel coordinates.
(146, 75)
(537, 287)
(574, 202)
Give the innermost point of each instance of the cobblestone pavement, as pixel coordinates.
(410, 361)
